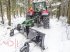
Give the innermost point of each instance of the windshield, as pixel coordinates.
(39, 6)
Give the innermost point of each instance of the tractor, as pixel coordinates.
(39, 18)
(36, 17)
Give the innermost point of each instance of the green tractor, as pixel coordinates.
(37, 18)
(38, 7)
(41, 20)
(29, 22)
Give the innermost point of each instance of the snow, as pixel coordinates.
(56, 38)
(56, 4)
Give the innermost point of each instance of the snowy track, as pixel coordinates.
(55, 39)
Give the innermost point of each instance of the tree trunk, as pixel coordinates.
(68, 12)
(14, 14)
(20, 11)
(1, 12)
(9, 13)
(62, 8)
(58, 12)
(13, 7)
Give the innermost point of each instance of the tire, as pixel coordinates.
(12, 32)
(32, 25)
(38, 21)
(19, 27)
(45, 22)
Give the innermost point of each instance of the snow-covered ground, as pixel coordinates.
(55, 39)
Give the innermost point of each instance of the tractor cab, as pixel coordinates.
(36, 9)
(39, 6)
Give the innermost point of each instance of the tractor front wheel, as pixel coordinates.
(19, 27)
